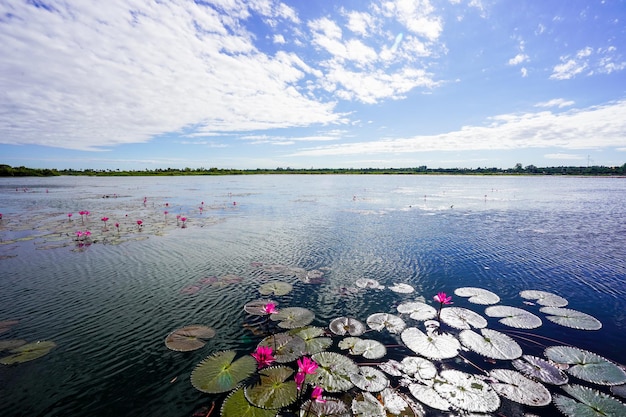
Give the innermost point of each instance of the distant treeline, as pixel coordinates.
(8, 171)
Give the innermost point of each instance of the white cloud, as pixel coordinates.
(279, 39)
(361, 23)
(591, 128)
(518, 59)
(565, 156)
(599, 61)
(557, 102)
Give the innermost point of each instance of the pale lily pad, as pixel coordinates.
(333, 372)
(380, 321)
(433, 346)
(347, 325)
(313, 342)
(462, 318)
(369, 349)
(418, 310)
(286, 347)
(402, 288)
(544, 298)
(28, 352)
(348, 342)
(236, 405)
(218, 373)
(277, 288)
(491, 343)
(467, 392)
(189, 338)
(369, 379)
(516, 387)
(477, 295)
(273, 390)
(293, 317)
(257, 307)
(330, 408)
(392, 367)
(400, 405)
(514, 317)
(587, 366)
(421, 368)
(430, 397)
(369, 283)
(540, 369)
(588, 402)
(571, 318)
(366, 405)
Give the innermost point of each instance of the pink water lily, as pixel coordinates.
(299, 378)
(263, 356)
(443, 298)
(270, 308)
(307, 365)
(317, 395)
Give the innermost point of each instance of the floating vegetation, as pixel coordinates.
(537, 368)
(571, 318)
(402, 288)
(587, 365)
(588, 402)
(347, 325)
(544, 298)
(491, 343)
(189, 338)
(276, 288)
(28, 352)
(389, 322)
(514, 317)
(462, 318)
(477, 295)
(516, 387)
(221, 373)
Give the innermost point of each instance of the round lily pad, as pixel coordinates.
(28, 352)
(587, 366)
(516, 387)
(571, 318)
(418, 310)
(219, 373)
(347, 325)
(491, 343)
(293, 317)
(427, 395)
(369, 379)
(419, 367)
(286, 347)
(366, 405)
(462, 318)
(544, 298)
(514, 317)
(402, 288)
(277, 288)
(333, 372)
(257, 307)
(369, 349)
(236, 405)
(313, 342)
(189, 338)
(588, 402)
(380, 321)
(369, 283)
(273, 390)
(399, 404)
(467, 392)
(477, 295)
(330, 407)
(540, 369)
(432, 346)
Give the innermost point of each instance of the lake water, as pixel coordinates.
(109, 305)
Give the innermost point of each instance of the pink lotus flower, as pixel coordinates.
(165, 212)
(307, 365)
(79, 234)
(317, 395)
(270, 308)
(117, 226)
(183, 219)
(105, 219)
(263, 356)
(69, 216)
(87, 233)
(299, 378)
(139, 222)
(443, 298)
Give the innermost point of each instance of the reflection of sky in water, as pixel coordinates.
(110, 305)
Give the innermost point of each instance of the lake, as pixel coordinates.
(109, 301)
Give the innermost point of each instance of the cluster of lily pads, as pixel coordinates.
(20, 350)
(410, 364)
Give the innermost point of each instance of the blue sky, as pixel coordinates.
(142, 84)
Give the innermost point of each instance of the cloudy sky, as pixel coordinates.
(146, 84)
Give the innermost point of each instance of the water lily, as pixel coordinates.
(317, 394)
(263, 356)
(270, 308)
(69, 216)
(117, 226)
(299, 378)
(183, 219)
(307, 365)
(139, 224)
(105, 220)
(443, 298)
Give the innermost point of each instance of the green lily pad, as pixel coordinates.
(236, 405)
(218, 373)
(587, 366)
(380, 321)
(462, 318)
(293, 317)
(514, 317)
(273, 391)
(491, 343)
(369, 379)
(516, 387)
(189, 338)
(257, 307)
(312, 340)
(467, 392)
(588, 402)
(277, 288)
(347, 325)
(333, 372)
(11, 344)
(28, 352)
(477, 295)
(540, 369)
(432, 346)
(571, 318)
(286, 347)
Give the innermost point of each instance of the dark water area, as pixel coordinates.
(110, 304)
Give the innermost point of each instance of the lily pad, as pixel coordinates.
(588, 402)
(544, 298)
(257, 307)
(462, 318)
(418, 310)
(11, 344)
(219, 373)
(369, 349)
(392, 367)
(477, 295)
(571, 318)
(516, 387)
(277, 288)
(433, 346)
(369, 283)
(333, 372)
(313, 342)
(293, 317)
(467, 392)
(427, 395)
(491, 343)
(331, 407)
(514, 317)
(273, 390)
(400, 405)
(347, 325)
(402, 288)
(286, 347)
(236, 405)
(28, 352)
(348, 342)
(380, 321)
(586, 365)
(189, 338)
(366, 405)
(540, 369)
(369, 379)
(421, 368)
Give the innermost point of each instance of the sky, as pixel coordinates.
(234, 84)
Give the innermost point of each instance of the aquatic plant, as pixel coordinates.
(293, 366)
(183, 219)
(139, 224)
(105, 220)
